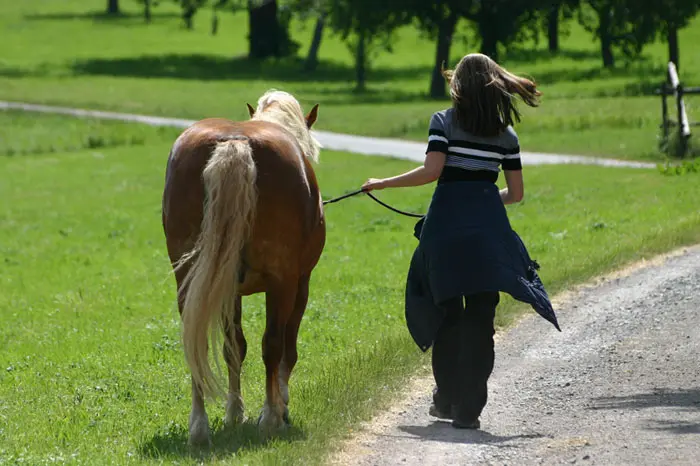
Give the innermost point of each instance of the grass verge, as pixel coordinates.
(92, 366)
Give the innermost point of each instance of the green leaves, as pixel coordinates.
(679, 169)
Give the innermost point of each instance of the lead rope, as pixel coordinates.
(360, 191)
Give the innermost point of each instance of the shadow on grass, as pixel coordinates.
(98, 16)
(646, 75)
(644, 87)
(519, 55)
(641, 70)
(350, 96)
(171, 442)
(204, 67)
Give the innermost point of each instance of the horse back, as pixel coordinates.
(288, 231)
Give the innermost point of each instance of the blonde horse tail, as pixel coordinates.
(211, 284)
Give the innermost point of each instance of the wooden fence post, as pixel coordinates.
(682, 121)
(664, 112)
(683, 125)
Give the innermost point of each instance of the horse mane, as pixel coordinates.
(288, 114)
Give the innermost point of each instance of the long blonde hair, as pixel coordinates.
(282, 108)
(482, 95)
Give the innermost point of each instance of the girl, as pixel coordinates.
(467, 251)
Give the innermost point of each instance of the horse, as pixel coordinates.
(242, 214)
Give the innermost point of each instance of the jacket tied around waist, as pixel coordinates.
(467, 246)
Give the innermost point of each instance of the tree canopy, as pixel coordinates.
(622, 27)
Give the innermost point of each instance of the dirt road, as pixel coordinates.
(619, 386)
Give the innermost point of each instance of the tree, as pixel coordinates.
(555, 12)
(553, 27)
(216, 6)
(264, 26)
(623, 24)
(318, 9)
(439, 19)
(502, 21)
(189, 9)
(113, 7)
(364, 25)
(445, 32)
(312, 57)
(268, 26)
(670, 16)
(147, 6)
(497, 22)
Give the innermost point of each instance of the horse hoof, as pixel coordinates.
(234, 420)
(199, 433)
(235, 414)
(269, 424)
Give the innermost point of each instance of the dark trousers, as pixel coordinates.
(463, 355)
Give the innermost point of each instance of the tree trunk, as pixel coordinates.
(188, 16)
(214, 23)
(442, 54)
(673, 52)
(489, 42)
(112, 7)
(263, 39)
(606, 37)
(487, 20)
(487, 27)
(361, 61)
(147, 10)
(312, 57)
(553, 28)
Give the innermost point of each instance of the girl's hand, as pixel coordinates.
(372, 184)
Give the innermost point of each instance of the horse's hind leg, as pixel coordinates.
(289, 359)
(199, 421)
(280, 303)
(234, 330)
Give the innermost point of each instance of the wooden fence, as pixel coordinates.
(674, 87)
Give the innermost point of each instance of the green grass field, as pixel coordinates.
(64, 52)
(23, 133)
(91, 366)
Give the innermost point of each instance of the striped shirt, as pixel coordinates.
(482, 157)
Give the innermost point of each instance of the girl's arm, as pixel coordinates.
(427, 173)
(515, 187)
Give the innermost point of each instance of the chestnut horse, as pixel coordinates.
(242, 214)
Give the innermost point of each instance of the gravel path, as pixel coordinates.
(619, 386)
(397, 148)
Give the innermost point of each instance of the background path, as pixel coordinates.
(398, 148)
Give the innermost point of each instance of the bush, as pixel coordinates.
(672, 146)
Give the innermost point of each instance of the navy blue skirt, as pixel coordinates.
(467, 246)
